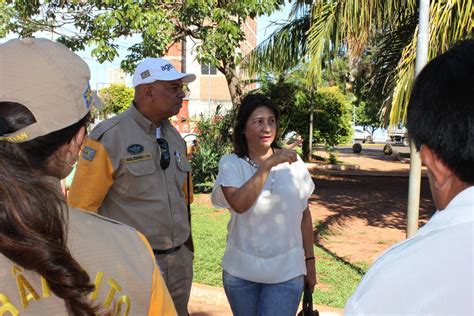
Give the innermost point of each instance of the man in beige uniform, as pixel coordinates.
(134, 169)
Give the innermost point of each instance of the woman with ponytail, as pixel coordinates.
(57, 260)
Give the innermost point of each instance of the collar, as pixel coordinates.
(465, 198)
(459, 210)
(142, 121)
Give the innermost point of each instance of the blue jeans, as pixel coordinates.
(247, 298)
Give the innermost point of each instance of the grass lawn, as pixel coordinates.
(337, 279)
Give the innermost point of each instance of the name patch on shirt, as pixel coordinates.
(136, 158)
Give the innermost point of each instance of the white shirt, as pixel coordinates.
(431, 273)
(264, 244)
(158, 132)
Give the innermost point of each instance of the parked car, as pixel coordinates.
(362, 136)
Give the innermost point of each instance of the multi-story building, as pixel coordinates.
(116, 76)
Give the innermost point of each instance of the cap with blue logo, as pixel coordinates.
(153, 69)
(48, 79)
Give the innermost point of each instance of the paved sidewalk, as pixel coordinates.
(211, 301)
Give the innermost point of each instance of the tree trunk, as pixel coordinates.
(229, 70)
(306, 150)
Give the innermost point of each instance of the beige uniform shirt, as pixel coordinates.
(119, 262)
(119, 175)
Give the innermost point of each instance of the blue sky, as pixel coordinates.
(266, 24)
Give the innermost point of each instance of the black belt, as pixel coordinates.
(166, 251)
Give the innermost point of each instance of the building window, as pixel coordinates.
(206, 71)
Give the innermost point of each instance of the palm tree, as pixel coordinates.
(450, 21)
(323, 29)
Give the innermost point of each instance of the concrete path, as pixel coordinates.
(211, 301)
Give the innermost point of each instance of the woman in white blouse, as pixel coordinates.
(269, 257)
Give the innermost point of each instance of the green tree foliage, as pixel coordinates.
(212, 27)
(213, 141)
(336, 73)
(332, 118)
(329, 28)
(367, 116)
(115, 99)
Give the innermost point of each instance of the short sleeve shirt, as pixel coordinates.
(264, 244)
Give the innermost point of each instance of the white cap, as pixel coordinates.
(49, 80)
(153, 69)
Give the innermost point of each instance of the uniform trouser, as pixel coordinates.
(177, 270)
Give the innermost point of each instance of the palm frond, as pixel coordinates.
(321, 35)
(389, 49)
(348, 26)
(450, 21)
(282, 50)
(345, 27)
(299, 9)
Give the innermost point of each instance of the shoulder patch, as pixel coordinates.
(88, 153)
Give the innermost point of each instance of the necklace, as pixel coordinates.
(255, 166)
(250, 162)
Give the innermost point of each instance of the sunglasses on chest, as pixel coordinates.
(165, 153)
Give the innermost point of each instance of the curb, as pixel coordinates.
(354, 170)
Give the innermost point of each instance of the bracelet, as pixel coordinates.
(309, 258)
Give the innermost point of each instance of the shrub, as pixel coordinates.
(332, 155)
(116, 98)
(333, 159)
(213, 141)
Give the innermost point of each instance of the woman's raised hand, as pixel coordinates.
(281, 156)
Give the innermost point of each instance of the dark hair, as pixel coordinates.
(33, 212)
(14, 116)
(441, 109)
(248, 104)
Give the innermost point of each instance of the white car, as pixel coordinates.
(362, 136)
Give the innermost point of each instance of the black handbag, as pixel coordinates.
(307, 309)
